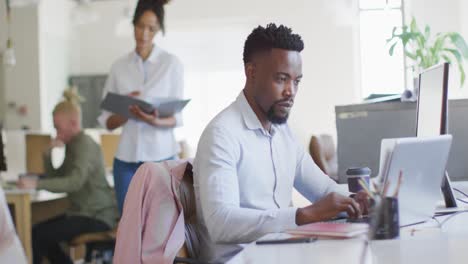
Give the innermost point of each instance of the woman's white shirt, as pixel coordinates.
(161, 75)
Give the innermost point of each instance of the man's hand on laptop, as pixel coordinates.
(362, 198)
(328, 207)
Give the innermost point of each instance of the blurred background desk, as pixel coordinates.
(30, 207)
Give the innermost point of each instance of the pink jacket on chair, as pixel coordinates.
(152, 227)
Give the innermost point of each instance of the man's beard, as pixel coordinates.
(276, 119)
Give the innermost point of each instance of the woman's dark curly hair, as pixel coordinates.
(156, 6)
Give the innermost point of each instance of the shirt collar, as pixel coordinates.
(151, 58)
(250, 118)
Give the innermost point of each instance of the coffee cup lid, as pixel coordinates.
(358, 171)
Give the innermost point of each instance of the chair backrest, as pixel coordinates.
(155, 197)
(187, 199)
(109, 145)
(36, 144)
(323, 152)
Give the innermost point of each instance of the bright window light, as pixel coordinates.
(379, 4)
(380, 72)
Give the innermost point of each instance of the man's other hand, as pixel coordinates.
(328, 207)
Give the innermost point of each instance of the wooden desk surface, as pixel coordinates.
(36, 196)
(30, 207)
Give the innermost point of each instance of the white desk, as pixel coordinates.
(425, 243)
(437, 248)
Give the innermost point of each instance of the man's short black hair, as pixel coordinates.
(156, 6)
(264, 39)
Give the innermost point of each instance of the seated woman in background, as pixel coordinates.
(81, 176)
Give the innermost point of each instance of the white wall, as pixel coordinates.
(3, 38)
(440, 15)
(22, 80)
(3, 26)
(94, 46)
(208, 36)
(463, 12)
(443, 16)
(54, 59)
(40, 36)
(2, 94)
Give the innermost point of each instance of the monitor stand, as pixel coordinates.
(447, 191)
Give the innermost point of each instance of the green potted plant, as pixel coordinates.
(425, 51)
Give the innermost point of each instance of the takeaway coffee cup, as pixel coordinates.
(354, 174)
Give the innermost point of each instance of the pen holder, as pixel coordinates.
(385, 221)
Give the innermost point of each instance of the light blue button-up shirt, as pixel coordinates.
(244, 178)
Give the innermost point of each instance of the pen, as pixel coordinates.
(365, 188)
(287, 241)
(400, 179)
(376, 188)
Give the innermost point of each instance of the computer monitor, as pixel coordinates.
(432, 113)
(3, 166)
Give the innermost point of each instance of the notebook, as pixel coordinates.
(119, 104)
(338, 230)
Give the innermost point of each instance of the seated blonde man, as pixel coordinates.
(82, 177)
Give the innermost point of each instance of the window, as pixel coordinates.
(380, 72)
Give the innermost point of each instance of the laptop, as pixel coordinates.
(422, 161)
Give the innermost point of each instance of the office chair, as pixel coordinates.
(186, 255)
(96, 241)
(323, 152)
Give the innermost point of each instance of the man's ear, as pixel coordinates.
(250, 70)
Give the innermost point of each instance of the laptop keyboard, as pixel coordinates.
(365, 219)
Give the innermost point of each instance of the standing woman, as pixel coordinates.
(147, 72)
